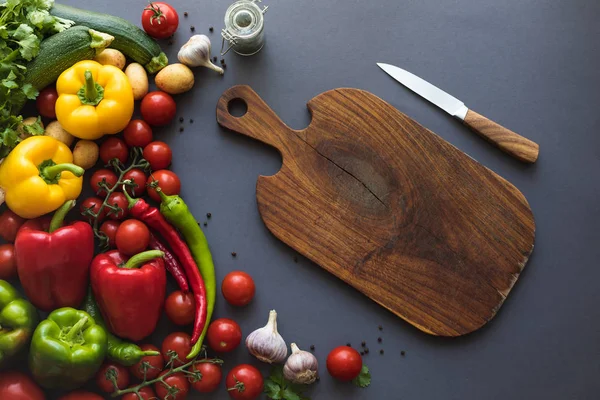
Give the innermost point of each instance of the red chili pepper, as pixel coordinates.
(171, 263)
(141, 210)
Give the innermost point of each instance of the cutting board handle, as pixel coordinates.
(259, 121)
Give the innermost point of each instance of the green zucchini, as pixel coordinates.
(129, 39)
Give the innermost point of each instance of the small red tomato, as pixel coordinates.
(238, 288)
(46, 102)
(180, 308)
(93, 204)
(8, 265)
(244, 382)
(158, 154)
(138, 177)
(10, 223)
(344, 363)
(160, 20)
(108, 369)
(18, 386)
(81, 395)
(178, 342)
(137, 133)
(155, 364)
(132, 237)
(210, 376)
(168, 182)
(158, 108)
(105, 176)
(177, 380)
(224, 335)
(118, 199)
(146, 393)
(109, 228)
(114, 148)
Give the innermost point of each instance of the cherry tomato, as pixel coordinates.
(46, 101)
(210, 378)
(137, 133)
(155, 364)
(238, 288)
(132, 237)
(244, 382)
(158, 154)
(81, 395)
(167, 180)
(146, 393)
(224, 335)
(180, 343)
(180, 308)
(120, 372)
(9, 225)
(158, 108)
(18, 386)
(39, 224)
(177, 380)
(109, 177)
(118, 199)
(139, 178)
(93, 203)
(344, 363)
(160, 20)
(113, 148)
(8, 265)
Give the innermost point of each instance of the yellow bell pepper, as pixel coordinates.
(38, 176)
(93, 100)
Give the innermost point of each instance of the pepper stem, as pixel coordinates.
(76, 329)
(50, 171)
(140, 259)
(130, 200)
(60, 214)
(91, 93)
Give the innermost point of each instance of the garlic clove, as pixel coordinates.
(196, 53)
(266, 343)
(301, 366)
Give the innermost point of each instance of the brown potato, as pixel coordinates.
(55, 130)
(175, 79)
(138, 79)
(111, 57)
(85, 154)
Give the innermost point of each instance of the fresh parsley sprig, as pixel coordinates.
(279, 388)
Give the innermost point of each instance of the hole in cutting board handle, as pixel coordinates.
(237, 107)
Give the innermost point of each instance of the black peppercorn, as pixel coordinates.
(367, 350)
(402, 353)
(181, 129)
(362, 353)
(222, 61)
(381, 351)
(191, 121)
(211, 29)
(312, 346)
(208, 215)
(192, 28)
(348, 344)
(224, 66)
(233, 254)
(185, 14)
(363, 343)
(206, 224)
(380, 327)
(180, 119)
(379, 340)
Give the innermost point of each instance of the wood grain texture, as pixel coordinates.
(507, 140)
(390, 208)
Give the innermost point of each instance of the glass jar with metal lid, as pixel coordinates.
(244, 28)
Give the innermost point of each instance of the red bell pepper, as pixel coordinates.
(130, 293)
(54, 266)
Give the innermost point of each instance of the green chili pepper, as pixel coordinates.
(120, 351)
(178, 214)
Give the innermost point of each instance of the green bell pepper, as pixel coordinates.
(18, 319)
(67, 349)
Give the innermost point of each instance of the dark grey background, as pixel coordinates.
(531, 65)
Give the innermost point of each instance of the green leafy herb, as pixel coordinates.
(277, 387)
(364, 378)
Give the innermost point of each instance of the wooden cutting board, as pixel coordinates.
(390, 208)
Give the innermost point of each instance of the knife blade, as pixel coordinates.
(507, 140)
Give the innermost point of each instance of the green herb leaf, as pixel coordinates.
(289, 394)
(364, 378)
(277, 375)
(276, 387)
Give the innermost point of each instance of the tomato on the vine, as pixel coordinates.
(132, 237)
(168, 182)
(178, 342)
(244, 382)
(238, 288)
(81, 395)
(158, 154)
(93, 204)
(138, 177)
(109, 228)
(224, 335)
(210, 376)
(18, 386)
(146, 393)
(180, 308)
(154, 366)
(160, 20)
(158, 108)
(46, 102)
(10, 223)
(8, 264)
(177, 380)
(118, 199)
(118, 371)
(137, 133)
(109, 177)
(114, 148)
(344, 363)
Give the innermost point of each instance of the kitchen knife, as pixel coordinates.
(507, 140)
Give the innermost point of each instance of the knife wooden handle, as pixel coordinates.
(507, 140)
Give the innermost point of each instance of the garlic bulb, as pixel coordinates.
(301, 367)
(266, 343)
(196, 53)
